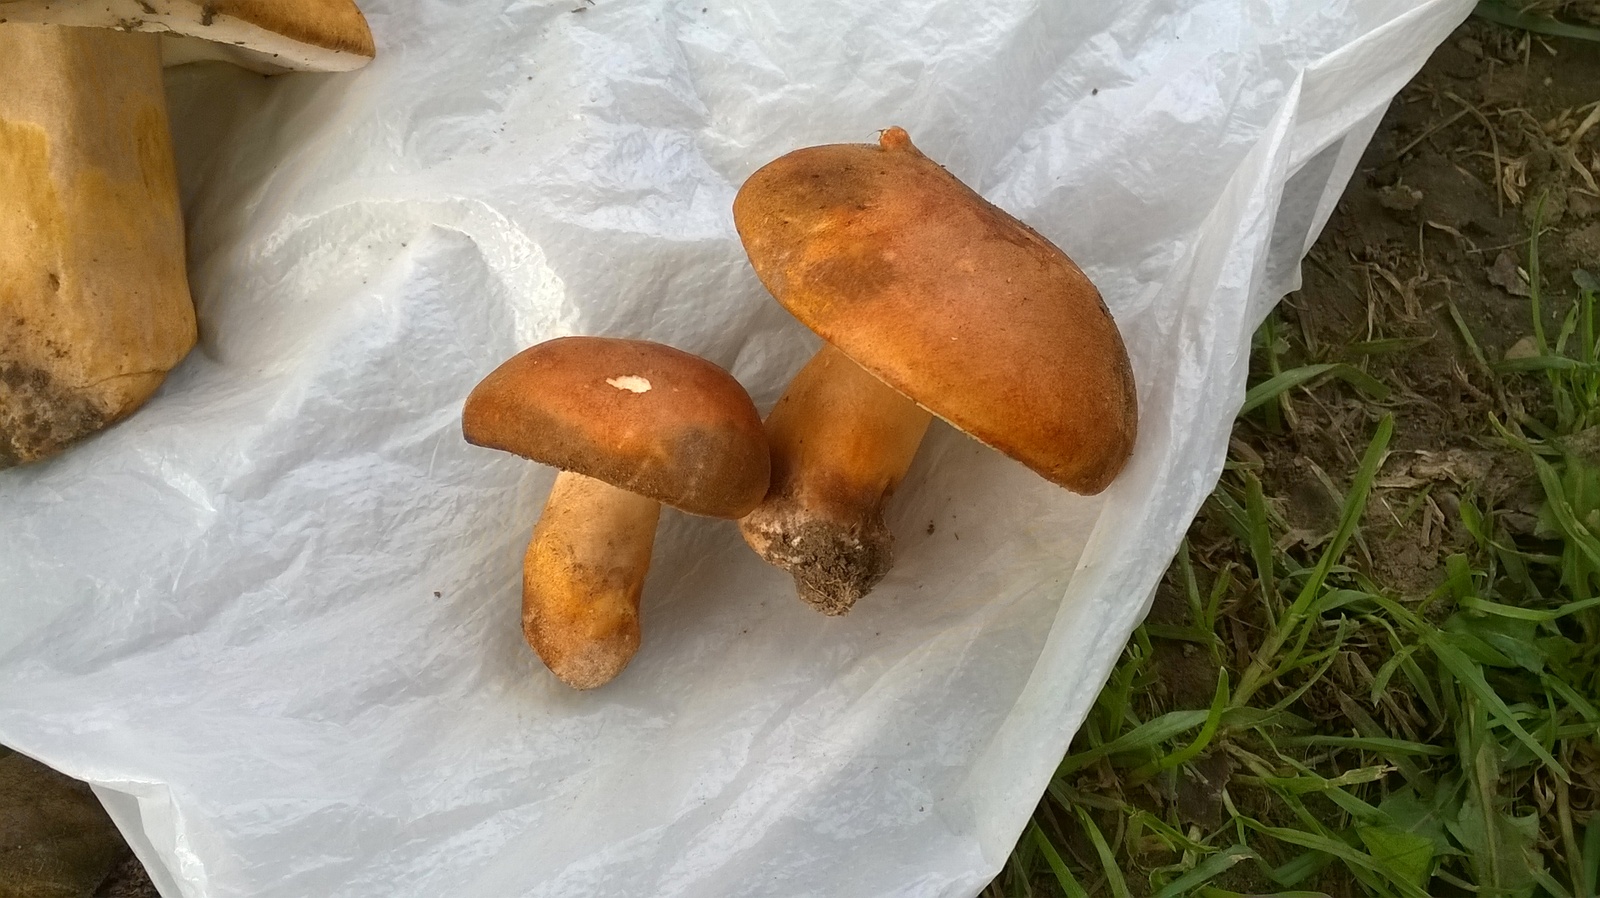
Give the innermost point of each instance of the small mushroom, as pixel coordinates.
(631, 425)
(94, 296)
(932, 302)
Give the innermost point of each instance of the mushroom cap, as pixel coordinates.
(947, 299)
(263, 35)
(640, 416)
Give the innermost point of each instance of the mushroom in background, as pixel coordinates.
(94, 295)
(934, 302)
(631, 425)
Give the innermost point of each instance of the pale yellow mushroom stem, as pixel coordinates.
(94, 299)
(841, 442)
(582, 577)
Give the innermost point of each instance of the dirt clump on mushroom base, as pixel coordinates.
(94, 295)
(933, 302)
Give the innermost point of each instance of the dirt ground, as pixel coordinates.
(1499, 129)
(1427, 256)
(56, 841)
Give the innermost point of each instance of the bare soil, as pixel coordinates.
(56, 840)
(1500, 130)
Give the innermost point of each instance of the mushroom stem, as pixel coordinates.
(841, 442)
(582, 577)
(94, 297)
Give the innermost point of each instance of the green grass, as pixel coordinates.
(1359, 740)
(1545, 17)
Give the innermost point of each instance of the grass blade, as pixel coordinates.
(1543, 363)
(1265, 392)
(1144, 737)
(1070, 886)
(1528, 614)
(1210, 867)
(1261, 550)
(1108, 860)
(1255, 676)
(1373, 744)
(1358, 860)
(1591, 856)
(1471, 677)
(1503, 14)
(1556, 501)
(1219, 703)
(1473, 348)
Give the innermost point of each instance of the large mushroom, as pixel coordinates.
(631, 425)
(94, 296)
(932, 302)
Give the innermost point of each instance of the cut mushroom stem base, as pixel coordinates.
(94, 297)
(582, 577)
(841, 442)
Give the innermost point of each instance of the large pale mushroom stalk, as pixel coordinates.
(94, 302)
(841, 442)
(582, 577)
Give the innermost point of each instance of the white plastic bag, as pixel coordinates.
(273, 617)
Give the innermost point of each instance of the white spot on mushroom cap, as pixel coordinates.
(633, 383)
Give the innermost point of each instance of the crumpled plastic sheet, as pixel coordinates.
(273, 617)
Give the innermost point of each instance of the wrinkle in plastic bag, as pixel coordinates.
(273, 617)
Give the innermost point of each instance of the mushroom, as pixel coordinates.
(94, 296)
(631, 425)
(931, 301)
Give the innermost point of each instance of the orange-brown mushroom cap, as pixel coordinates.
(640, 416)
(947, 299)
